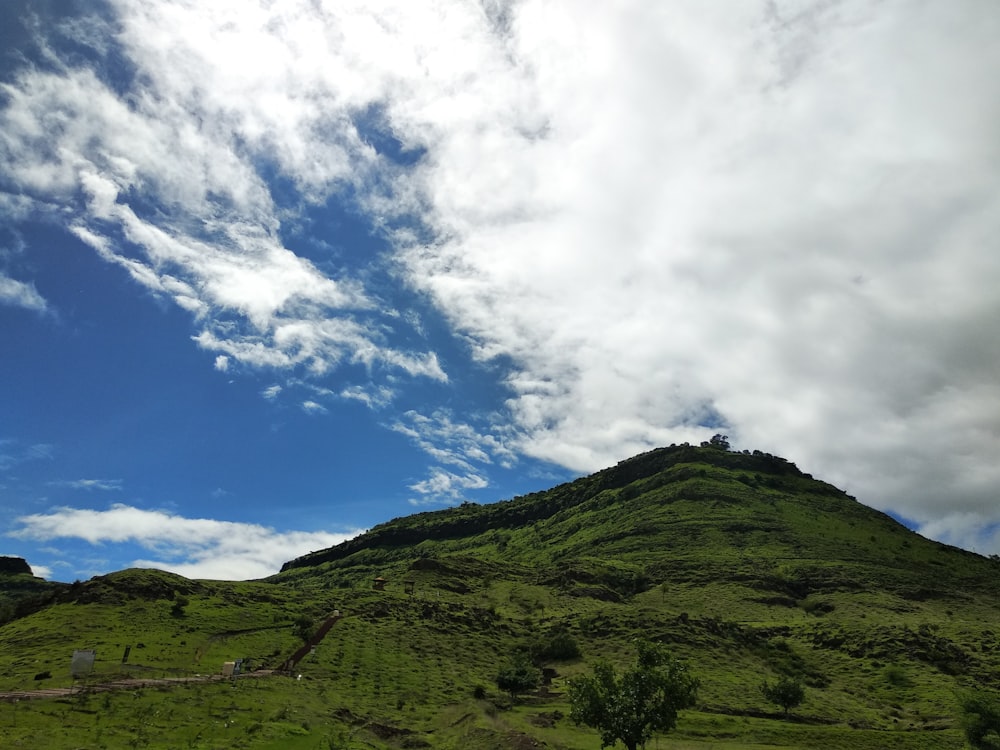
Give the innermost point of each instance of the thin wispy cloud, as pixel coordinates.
(15, 452)
(457, 445)
(313, 407)
(374, 397)
(20, 294)
(453, 442)
(192, 547)
(102, 485)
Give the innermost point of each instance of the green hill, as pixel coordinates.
(748, 568)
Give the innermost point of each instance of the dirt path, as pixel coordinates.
(132, 683)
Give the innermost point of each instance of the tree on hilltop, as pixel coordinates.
(718, 441)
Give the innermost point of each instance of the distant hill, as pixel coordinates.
(744, 565)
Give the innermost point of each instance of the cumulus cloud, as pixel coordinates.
(192, 547)
(675, 219)
(41, 571)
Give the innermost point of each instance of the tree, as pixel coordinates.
(180, 603)
(518, 675)
(981, 719)
(632, 706)
(303, 627)
(786, 692)
(718, 441)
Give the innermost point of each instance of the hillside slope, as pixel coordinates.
(683, 514)
(745, 566)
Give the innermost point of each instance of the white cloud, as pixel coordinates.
(20, 294)
(453, 442)
(222, 363)
(41, 571)
(164, 180)
(192, 547)
(373, 398)
(271, 392)
(313, 407)
(746, 217)
(445, 487)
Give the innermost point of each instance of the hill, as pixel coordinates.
(747, 567)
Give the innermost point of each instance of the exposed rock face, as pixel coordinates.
(14, 565)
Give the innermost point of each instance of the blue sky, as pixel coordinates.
(272, 273)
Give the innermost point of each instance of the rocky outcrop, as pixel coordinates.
(14, 565)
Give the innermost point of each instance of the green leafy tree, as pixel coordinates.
(980, 718)
(632, 706)
(518, 675)
(786, 692)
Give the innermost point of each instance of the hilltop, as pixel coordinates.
(744, 565)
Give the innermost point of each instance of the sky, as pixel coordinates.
(272, 273)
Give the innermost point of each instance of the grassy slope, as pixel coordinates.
(749, 569)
